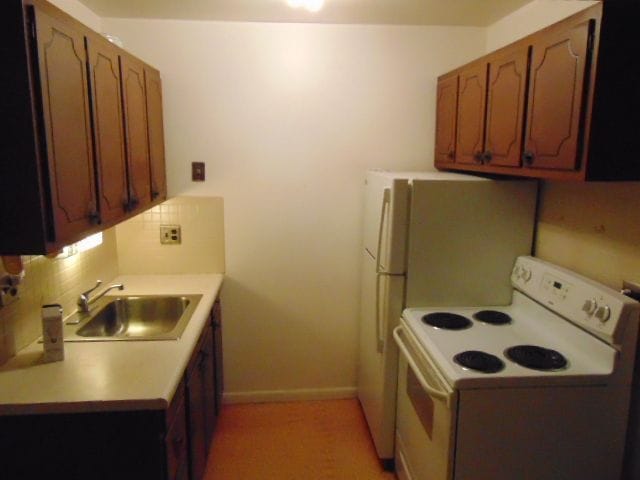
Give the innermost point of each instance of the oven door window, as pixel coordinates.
(421, 401)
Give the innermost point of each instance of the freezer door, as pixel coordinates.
(385, 221)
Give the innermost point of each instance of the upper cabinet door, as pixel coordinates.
(506, 96)
(557, 81)
(471, 114)
(111, 160)
(156, 134)
(446, 112)
(67, 127)
(135, 121)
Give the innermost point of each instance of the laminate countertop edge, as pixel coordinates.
(110, 376)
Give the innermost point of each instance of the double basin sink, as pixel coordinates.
(140, 317)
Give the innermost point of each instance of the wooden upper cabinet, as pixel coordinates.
(446, 113)
(82, 131)
(111, 160)
(471, 113)
(153, 86)
(561, 103)
(506, 96)
(67, 127)
(136, 135)
(552, 137)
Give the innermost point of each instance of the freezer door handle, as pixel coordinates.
(386, 201)
(432, 390)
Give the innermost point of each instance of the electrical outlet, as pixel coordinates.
(170, 234)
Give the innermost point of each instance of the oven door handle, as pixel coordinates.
(430, 389)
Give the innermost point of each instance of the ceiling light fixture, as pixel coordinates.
(309, 5)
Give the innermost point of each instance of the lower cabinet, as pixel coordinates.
(171, 444)
(192, 415)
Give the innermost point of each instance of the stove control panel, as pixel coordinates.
(588, 304)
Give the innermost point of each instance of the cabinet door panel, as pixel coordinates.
(104, 74)
(135, 120)
(556, 99)
(208, 375)
(67, 125)
(471, 113)
(196, 419)
(176, 445)
(446, 112)
(217, 341)
(156, 134)
(506, 95)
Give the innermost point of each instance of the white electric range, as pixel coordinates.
(538, 389)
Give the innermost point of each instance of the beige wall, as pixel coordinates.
(80, 13)
(287, 118)
(202, 249)
(53, 281)
(590, 228)
(530, 18)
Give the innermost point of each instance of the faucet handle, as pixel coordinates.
(98, 283)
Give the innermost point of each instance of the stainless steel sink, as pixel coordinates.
(147, 317)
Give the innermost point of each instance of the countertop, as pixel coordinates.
(110, 376)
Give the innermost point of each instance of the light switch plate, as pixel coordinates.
(197, 171)
(170, 234)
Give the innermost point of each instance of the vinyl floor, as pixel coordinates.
(319, 440)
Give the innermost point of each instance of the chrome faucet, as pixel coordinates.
(85, 300)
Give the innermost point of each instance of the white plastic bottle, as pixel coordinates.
(52, 333)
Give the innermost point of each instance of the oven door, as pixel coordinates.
(426, 415)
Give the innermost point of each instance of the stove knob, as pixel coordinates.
(526, 274)
(603, 313)
(516, 271)
(590, 306)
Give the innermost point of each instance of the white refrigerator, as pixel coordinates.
(430, 239)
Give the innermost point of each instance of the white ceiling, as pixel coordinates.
(403, 12)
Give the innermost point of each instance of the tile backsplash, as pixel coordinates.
(53, 281)
(202, 249)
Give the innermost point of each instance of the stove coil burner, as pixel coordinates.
(446, 321)
(536, 358)
(492, 317)
(479, 361)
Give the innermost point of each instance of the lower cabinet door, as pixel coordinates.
(196, 420)
(177, 446)
(208, 377)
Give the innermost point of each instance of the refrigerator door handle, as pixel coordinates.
(379, 328)
(386, 201)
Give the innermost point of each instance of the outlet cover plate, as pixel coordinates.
(170, 234)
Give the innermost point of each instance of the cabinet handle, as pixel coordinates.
(478, 157)
(528, 157)
(94, 218)
(133, 203)
(155, 194)
(451, 155)
(487, 156)
(177, 443)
